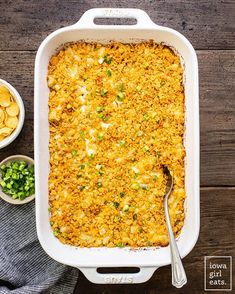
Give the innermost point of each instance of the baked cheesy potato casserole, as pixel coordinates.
(116, 116)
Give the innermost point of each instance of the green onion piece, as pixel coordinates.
(3, 184)
(56, 232)
(107, 59)
(120, 87)
(155, 177)
(82, 134)
(146, 65)
(122, 194)
(82, 188)
(126, 208)
(99, 108)
(82, 166)
(146, 116)
(74, 152)
(144, 186)
(134, 216)
(99, 166)
(101, 115)
(135, 186)
(122, 143)
(99, 184)
(92, 156)
(120, 96)
(116, 204)
(139, 133)
(120, 245)
(136, 175)
(109, 73)
(138, 88)
(103, 92)
(100, 136)
(145, 148)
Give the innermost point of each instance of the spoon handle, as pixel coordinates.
(178, 273)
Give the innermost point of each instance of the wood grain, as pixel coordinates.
(207, 24)
(216, 238)
(217, 110)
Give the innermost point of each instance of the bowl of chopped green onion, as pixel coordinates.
(17, 183)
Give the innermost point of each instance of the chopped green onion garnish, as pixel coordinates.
(120, 87)
(122, 143)
(103, 92)
(82, 166)
(17, 179)
(109, 73)
(155, 177)
(107, 59)
(74, 152)
(92, 156)
(120, 96)
(135, 186)
(82, 134)
(138, 88)
(82, 188)
(115, 204)
(99, 108)
(98, 166)
(145, 148)
(120, 245)
(146, 116)
(56, 232)
(126, 208)
(144, 186)
(101, 115)
(99, 185)
(134, 216)
(146, 64)
(100, 136)
(136, 175)
(122, 194)
(139, 133)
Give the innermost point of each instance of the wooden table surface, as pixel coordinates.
(210, 26)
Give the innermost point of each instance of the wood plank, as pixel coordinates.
(216, 238)
(207, 24)
(217, 105)
(217, 117)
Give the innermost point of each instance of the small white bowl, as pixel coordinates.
(6, 197)
(20, 103)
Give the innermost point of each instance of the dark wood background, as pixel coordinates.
(210, 27)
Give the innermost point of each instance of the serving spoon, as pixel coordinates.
(179, 278)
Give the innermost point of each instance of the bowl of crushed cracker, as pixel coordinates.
(12, 113)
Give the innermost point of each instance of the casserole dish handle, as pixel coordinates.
(142, 18)
(142, 276)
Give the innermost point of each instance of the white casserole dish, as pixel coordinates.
(89, 259)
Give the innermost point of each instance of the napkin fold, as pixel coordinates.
(25, 268)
